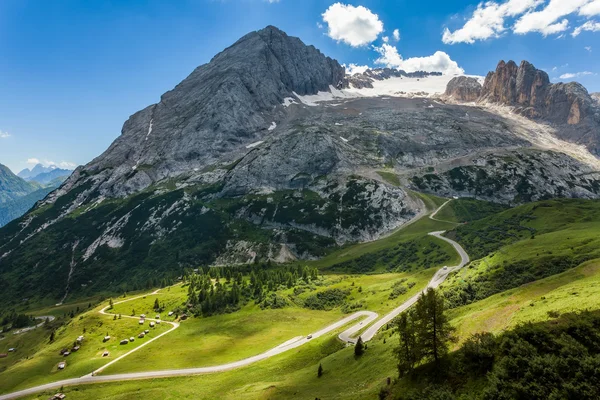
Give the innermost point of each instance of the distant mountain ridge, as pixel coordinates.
(44, 175)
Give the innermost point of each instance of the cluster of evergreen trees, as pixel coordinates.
(14, 320)
(222, 289)
(424, 332)
(551, 360)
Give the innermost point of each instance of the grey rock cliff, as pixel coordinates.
(464, 88)
(220, 107)
(567, 106)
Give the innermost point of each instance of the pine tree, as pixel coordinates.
(320, 371)
(110, 304)
(407, 352)
(52, 337)
(433, 329)
(359, 348)
(156, 305)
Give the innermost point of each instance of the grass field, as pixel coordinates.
(573, 290)
(291, 375)
(36, 359)
(230, 337)
(529, 243)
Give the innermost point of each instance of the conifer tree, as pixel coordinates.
(359, 348)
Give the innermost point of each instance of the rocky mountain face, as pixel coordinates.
(514, 178)
(568, 106)
(212, 114)
(236, 164)
(464, 88)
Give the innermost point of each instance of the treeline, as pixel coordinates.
(556, 359)
(222, 289)
(14, 320)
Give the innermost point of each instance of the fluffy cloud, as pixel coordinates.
(546, 21)
(33, 161)
(356, 26)
(487, 21)
(547, 17)
(396, 34)
(588, 48)
(591, 26)
(355, 69)
(575, 75)
(438, 62)
(4, 135)
(590, 9)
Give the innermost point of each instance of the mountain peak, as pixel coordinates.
(217, 110)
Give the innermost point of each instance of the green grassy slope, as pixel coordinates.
(524, 244)
(467, 210)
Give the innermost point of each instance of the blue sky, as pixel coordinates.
(71, 72)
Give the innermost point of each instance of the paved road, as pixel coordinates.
(30, 328)
(347, 336)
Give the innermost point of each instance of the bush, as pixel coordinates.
(327, 299)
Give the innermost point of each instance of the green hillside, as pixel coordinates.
(13, 209)
(12, 187)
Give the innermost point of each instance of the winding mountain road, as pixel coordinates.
(348, 336)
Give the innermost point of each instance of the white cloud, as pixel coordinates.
(487, 21)
(385, 39)
(438, 62)
(546, 21)
(4, 135)
(273, 1)
(319, 25)
(356, 26)
(588, 48)
(352, 69)
(547, 17)
(590, 9)
(575, 75)
(49, 163)
(396, 35)
(591, 26)
(66, 165)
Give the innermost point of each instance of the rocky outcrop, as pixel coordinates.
(463, 88)
(530, 91)
(567, 106)
(522, 176)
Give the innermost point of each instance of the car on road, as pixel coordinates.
(309, 337)
(445, 268)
